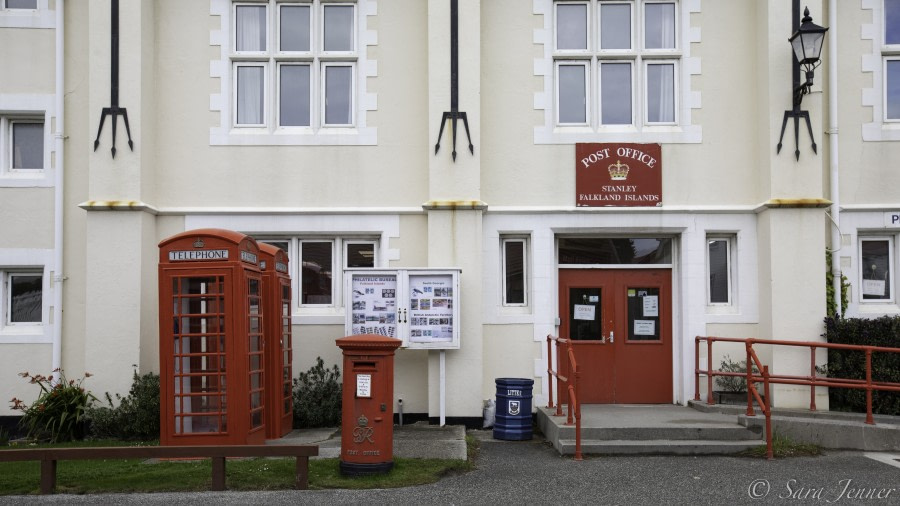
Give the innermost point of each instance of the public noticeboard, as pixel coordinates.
(419, 306)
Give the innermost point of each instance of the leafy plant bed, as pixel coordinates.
(99, 476)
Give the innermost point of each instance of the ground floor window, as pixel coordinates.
(719, 269)
(876, 254)
(22, 295)
(317, 264)
(514, 272)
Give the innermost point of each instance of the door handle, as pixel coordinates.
(612, 336)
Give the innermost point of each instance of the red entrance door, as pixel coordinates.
(620, 323)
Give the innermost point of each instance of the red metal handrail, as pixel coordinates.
(766, 377)
(573, 409)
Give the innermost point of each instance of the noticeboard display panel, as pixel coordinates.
(373, 306)
(419, 306)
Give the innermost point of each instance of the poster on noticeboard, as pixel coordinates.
(419, 306)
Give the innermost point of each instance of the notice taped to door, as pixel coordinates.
(583, 312)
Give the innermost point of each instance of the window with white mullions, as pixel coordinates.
(891, 57)
(626, 54)
(308, 50)
(20, 4)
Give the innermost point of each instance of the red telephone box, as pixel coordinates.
(277, 317)
(367, 410)
(212, 369)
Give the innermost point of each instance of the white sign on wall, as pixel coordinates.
(419, 306)
(892, 219)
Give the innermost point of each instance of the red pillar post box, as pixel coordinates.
(367, 421)
(211, 367)
(278, 340)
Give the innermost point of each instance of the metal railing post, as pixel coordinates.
(869, 418)
(697, 368)
(709, 375)
(549, 374)
(812, 376)
(749, 349)
(767, 410)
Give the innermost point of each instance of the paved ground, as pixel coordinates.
(531, 472)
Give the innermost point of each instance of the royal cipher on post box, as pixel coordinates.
(211, 346)
(367, 421)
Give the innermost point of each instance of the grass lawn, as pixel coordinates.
(105, 476)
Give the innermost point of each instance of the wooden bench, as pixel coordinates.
(49, 456)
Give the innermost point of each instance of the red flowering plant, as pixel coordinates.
(58, 413)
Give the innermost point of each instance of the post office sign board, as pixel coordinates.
(892, 219)
(618, 175)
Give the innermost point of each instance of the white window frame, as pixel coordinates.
(323, 91)
(681, 130)
(594, 57)
(266, 96)
(6, 143)
(6, 276)
(39, 17)
(730, 249)
(884, 92)
(892, 264)
(356, 132)
(646, 92)
(312, 109)
(880, 128)
(338, 264)
(349, 241)
(587, 90)
(525, 270)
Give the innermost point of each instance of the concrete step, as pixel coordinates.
(657, 447)
(705, 432)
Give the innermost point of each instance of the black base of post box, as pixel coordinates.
(355, 469)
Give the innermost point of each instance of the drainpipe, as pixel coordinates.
(58, 195)
(836, 239)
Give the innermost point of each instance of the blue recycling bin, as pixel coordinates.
(513, 418)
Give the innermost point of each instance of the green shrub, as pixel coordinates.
(58, 414)
(851, 364)
(136, 417)
(317, 397)
(734, 384)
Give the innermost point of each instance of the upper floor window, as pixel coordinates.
(21, 143)
(293, 72)
(616, 63)
(891, 59)
(20, 4)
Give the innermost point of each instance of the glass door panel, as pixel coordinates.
(585, 322)
(643, 314)
(199, 354)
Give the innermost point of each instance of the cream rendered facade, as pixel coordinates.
(378, 179)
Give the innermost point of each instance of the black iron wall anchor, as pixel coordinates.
(114, 110)
(454, 114)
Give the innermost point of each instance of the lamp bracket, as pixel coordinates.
(796, 113)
